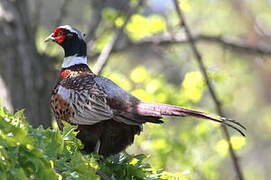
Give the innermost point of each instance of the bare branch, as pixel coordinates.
(235, 45)
(210, 87)
(103, 58)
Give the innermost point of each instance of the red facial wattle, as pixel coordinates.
(59, 35)
(60, 39)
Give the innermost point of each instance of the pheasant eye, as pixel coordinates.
(69, 35)
(60, 33)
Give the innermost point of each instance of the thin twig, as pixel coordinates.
(104, 56)
(210, 87)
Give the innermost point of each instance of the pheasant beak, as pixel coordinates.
(50, 38)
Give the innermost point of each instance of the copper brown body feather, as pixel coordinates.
(99, 117)
(114, 117)
(107, 116)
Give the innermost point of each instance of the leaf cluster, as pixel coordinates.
(37, 153)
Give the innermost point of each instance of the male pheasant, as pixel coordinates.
(107, 116)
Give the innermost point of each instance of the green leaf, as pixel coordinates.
(141, 26)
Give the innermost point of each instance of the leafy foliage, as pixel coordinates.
(29, 153)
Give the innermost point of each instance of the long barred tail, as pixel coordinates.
(160, 110)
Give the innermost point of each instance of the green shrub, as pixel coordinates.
(29, 153)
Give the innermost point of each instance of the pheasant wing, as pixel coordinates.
(124, 104)
(86, 99)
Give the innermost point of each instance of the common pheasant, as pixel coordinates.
(107, 116)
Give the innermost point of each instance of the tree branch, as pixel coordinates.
(236, 45)
(203, 70)
(104, 56)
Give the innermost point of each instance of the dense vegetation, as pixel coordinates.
(29, 153)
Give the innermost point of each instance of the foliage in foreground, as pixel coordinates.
(29, 153)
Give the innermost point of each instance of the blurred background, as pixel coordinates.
(151, 57)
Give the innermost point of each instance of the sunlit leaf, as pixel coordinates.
(139, 74)
(185, 5)
(119, 21)
(192, 86)
(109, 14)
(141, 26)
(237, 143)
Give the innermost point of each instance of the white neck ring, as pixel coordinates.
(73, 60)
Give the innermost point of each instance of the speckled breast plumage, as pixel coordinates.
(60, 107)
